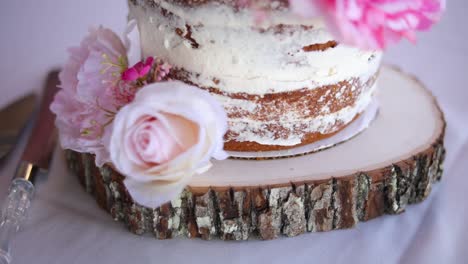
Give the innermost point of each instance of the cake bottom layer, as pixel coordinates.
(282, 121)
(290, 121)
(308, 138)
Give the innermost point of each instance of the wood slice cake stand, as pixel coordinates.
(390, 165)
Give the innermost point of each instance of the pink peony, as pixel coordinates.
(165, 136)
(373, 24)
(83, 107)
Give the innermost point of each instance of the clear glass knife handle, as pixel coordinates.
(14, 212)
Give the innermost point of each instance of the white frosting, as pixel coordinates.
(234, 51)
(236, 55)
(362, 123)
(248, 130)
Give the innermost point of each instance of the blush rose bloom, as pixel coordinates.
(165, 136)
(373, 24)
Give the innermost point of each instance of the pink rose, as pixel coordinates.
(165, 136)
(373, 24)
(83, 105)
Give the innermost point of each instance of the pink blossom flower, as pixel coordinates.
(165, 136)
(83, 106)
(138, 71)
(373, 24)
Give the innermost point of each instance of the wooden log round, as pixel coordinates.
(392, 164)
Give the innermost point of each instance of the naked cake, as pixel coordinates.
(151, 118)
(283, 81)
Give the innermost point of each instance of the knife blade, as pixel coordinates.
(36, 156)
(41, 143)
(14, 118)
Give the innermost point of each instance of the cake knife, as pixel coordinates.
(14, 118)
(35, 159)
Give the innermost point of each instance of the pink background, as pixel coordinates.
(65, 226)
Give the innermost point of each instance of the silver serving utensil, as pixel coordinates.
(13, 119)
(36, 157)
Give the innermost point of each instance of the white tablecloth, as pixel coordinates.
(66, 226)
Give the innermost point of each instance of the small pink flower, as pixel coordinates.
(165, 136)
(373, 24)
(138, 71)
(162, 70)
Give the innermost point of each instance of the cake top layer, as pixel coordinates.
(237, 4)
(227, 13)
(216, 46)
(367, 24)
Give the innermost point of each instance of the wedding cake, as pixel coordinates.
(205, 119)
(283, 82)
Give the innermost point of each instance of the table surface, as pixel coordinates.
(66, 226)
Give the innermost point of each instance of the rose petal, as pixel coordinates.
(183, 131)
(155, 194)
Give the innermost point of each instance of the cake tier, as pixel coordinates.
(278, 121)
(283, 82)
